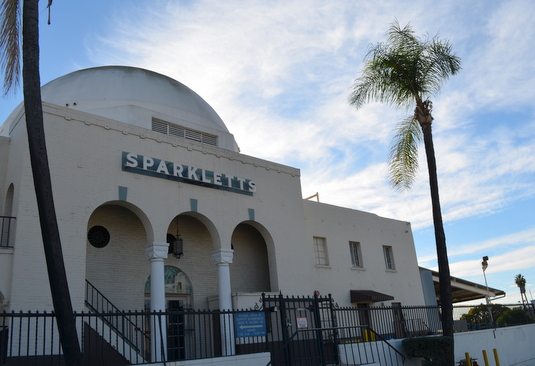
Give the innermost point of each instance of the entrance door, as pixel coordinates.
(175, 330)
(399, 321)
(365, 322)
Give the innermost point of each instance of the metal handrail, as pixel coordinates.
(114, 309)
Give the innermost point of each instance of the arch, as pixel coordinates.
(118, 269)
(139, 213)
(200, 237)
(253, 268)
(8, 204)
(214, 233)
(8, 230)
(176, 282)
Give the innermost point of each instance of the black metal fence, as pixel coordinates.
(31, 338)
(296, 331)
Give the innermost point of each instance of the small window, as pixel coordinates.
(389, 258)
(98, 236)
(320, 249)
(356, 256)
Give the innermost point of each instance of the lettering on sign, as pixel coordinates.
(302, 323)
(250, 324)
(146, 165)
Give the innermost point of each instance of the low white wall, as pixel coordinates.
(515, 346)
(254, 359)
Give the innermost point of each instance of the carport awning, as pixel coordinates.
(369, 296)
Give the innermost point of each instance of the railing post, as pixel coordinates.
(334, 324)
(284, 328)
(319, 333)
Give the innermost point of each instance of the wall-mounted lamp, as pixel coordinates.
(178, 244)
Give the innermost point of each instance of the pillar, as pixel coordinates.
(223, 258)
(156, 253)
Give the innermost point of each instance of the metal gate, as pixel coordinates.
(300, 330)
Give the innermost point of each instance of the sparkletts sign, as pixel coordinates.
(146, 165)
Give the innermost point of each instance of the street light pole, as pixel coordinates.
(484, 265)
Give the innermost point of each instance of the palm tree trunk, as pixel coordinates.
(446, 300)
(43, 186)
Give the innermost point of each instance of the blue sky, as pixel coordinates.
(279, 74)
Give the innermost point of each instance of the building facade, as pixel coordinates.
(156, 205)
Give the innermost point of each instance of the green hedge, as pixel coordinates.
(436, 351)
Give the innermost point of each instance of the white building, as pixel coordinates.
(138, 159)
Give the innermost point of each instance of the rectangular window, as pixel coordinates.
(389, 257)
(356, 256)
(320, 249)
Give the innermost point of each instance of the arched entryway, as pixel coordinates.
(195, 260)
(249, 271)
(177, 287)
(178, 296)
(116, 261)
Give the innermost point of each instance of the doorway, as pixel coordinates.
(176, 341)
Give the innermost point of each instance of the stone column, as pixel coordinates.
(223, 258)
(156, 253)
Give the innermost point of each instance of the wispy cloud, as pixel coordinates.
(279, 75)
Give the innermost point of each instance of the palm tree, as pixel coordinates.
(403, 72)
(520, 281)
(10, 18)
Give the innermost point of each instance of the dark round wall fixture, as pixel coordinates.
(98, 236)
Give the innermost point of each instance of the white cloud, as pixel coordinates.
(279, 74)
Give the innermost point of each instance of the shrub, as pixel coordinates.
(436, 351)
(514, 316)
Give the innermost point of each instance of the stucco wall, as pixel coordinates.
(514, 346)
(85, 155)
(275, 253)
(340, 226)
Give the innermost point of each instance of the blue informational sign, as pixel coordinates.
(250, 324)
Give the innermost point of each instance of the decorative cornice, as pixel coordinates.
(72, 115)
(156, 251)
(223, 256)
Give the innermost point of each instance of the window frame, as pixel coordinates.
(388, 254)
(356, 254)
(321, 255)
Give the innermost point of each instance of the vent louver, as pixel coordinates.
(182, 132)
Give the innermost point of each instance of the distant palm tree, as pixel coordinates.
(520, 281)
(403, 72)
(10, 20)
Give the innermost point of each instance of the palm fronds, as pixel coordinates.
(404, 71)
(403, 158)
(10, 43)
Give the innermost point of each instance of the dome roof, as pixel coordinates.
(135, 96)
(123, 84)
